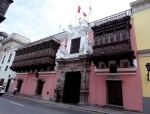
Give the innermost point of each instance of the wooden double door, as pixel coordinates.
(114, 93)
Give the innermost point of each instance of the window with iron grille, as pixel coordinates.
(75, 45)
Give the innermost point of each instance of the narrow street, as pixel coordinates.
(10, 105)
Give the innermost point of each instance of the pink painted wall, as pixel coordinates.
(49, 85)
(131, 85)
(19, 76)
(30, 85)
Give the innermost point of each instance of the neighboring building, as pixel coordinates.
(8, 47)
(4, 5)
(141, 17)
(106, 74)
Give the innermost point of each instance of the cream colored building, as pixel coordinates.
(141, 17)
(7, 54)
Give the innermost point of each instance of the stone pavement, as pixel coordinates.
(84, 108)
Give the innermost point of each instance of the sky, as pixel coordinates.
(36, 19)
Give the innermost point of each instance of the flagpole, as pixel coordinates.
(89, 10)
(76, 15)
(59, 28)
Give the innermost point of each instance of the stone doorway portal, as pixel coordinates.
(71, 93)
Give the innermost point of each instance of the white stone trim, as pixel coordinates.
(47, 73)
(106, 74)
(140, 5)
(131, 69)
(22, 73)
(144, 53)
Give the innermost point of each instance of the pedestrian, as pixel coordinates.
(16, 89)
(58, 95)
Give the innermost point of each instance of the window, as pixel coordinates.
(6, 68)
(75, 45)
(124, 35)
(125, 65)
(96, 41)
(9, 58)
(106, 39)
(117, 37)
(111, 38)
(3, 59)
(113, 68)
(100, 40)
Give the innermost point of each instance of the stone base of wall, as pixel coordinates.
(146, 104)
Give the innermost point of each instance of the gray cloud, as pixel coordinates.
(37, 19)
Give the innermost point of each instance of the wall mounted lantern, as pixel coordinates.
(4, 4)
(148, 69)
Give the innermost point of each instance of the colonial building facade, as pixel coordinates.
(7, 54)
(141, 17)
(92, 64)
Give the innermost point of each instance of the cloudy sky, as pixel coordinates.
(36, 19)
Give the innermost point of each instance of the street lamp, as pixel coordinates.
(4, 4)
(148, 69)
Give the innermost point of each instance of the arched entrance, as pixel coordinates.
(71, 93)
(39, 87)
(19, 84)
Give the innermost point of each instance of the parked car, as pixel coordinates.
(2, 90)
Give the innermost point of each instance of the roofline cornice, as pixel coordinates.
(140, 5)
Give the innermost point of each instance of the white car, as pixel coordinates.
(2, 91)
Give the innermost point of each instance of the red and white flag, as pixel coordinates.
(80, 10)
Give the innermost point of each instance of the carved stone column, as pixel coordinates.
(60, 81)
(84, 90)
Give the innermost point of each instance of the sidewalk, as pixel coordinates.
(84, 108)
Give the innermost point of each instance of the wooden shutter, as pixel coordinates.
(75, 45)
(118, 37)
(124, 35)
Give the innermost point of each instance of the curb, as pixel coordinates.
(58, 105)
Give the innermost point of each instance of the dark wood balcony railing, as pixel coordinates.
(38, 56)
(111, 18)
(114, 51)
(111, 49)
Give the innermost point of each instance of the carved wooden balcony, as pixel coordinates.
(113, 51)
(36, 56)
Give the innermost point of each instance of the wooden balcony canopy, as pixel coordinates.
(112, 39)
(39, 55)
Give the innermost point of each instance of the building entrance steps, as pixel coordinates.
(95, 109)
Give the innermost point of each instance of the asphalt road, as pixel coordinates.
(9, 105)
